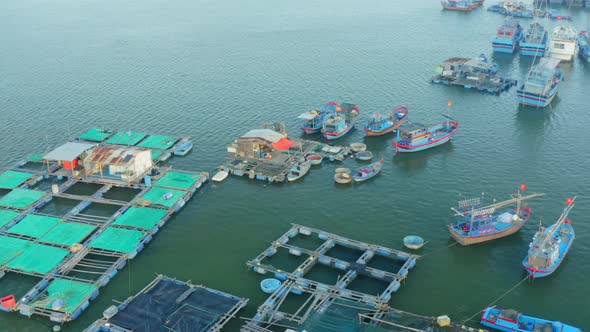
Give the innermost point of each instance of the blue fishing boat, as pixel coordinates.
(340, 121)
(415, 137)
(542, 84)
(477, 223)
(508, 37)
(535, 41)
(462, 6)
(314, 119)
(366, 172)
(382, 124)
(550, 245)
(584, 45)
(183, 148)
(511, 320)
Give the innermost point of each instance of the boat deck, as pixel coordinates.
(72, 250)
(171, 305)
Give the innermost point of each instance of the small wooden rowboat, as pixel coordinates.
(413, 242)
(298, 171)
(342, 175)
(365, 155)
(220, 176)
(358, 147)
(314, 159)
(366, 172)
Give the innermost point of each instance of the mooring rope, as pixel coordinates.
(438, 250)
(498, 299)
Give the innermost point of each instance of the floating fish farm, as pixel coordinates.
(76, 253)
(171, 305)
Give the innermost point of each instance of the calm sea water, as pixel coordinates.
(214, 70)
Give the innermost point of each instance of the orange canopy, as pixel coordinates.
(283, 144)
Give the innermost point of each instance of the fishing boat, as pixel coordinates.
(380, 125)
(461, 6)
(511, 320)
(298, 171)
(564, 42)
(508, 36)
(343, 175)
(415, 137)
(366, 172)
(365, 155)
(550, 245)
(313, 120)
(542, 83)
(340, 121)
(477, 223)
(535, 41)
(220, 176)
(413, 242)
(314, 159)
(584, 44)
(183, 148)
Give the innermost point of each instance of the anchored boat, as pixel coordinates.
(542, 83)
(382, 124)
(535, 41)
(417, 137)
(462, 6)
(564, 42)
(342, 175)
(314, 119)
(366, 172)
(298, 171)
(184, 148)
(340, 121)
(550, 245)
(511, 320)
(477, 223)
(584, 43)
(508, 36)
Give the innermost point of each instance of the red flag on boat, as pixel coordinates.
(569, 201)
(522, 187)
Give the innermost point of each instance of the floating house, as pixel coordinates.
(68, 155)
(477, 73)
(260, 144)
(128, 164)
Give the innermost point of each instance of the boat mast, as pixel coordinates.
(569, 206)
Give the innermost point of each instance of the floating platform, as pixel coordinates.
(75, 253)
(491, 86)
(167, 304)
(335, 307)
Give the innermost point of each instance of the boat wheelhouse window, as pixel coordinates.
(559, 46)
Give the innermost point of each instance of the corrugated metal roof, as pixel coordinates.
(68, 151)
(108, 155)
(265, 134)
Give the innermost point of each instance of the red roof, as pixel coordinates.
(283, 144)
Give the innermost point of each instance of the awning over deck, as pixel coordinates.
(68, 151)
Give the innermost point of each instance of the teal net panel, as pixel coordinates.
(161, 196)
(21, 198)
(72, 293)
(118, 239)
(140, 217)
(156, 154)
(38, 258)
(6, 216)
(12, 179)
(177, 180)
(126, 138)
(96, 135)
(67, 233)
(35, 158)
(11, 247)
(158, 142)
(34, 226)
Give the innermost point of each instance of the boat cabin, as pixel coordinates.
(129, 164)
(413, 131)
(335, 122)
(259, 144)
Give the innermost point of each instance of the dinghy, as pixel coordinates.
(220, 176)
(184, 148)
(314, 159)
(366, 172)
(298, 171)
(342, 175)
(358, 147)
(413, 242)
(365, 155)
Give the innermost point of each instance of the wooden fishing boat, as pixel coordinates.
(340, 121)
(550, 245)
(382, 124)
(298, 171)
(477, 223)
(413, 242)
(366, 172)
(313, 120)
(417, 137)
(184, 148)
(314, 159)
(343, 175)
(462, 6)
(365, 155)
(220, 176)
(511, 320)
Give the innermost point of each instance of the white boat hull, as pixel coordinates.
(220, 176)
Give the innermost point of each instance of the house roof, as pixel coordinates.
(109, 155)
(265, 134)
(68, 151)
